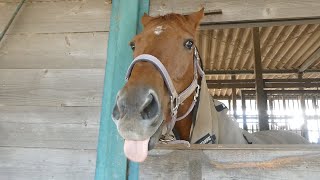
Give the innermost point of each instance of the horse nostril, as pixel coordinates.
(118, 109)
(116, 112)
(150, 107)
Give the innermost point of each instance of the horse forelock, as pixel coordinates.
(178, 20)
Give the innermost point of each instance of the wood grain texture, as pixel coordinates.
(54, 87)
(59, 16)
(54, 51)
(49, 127)
(39, 164)
(233, 162)
(50, 115)
(6, 11)
(240, 10)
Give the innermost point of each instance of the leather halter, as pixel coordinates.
(175, 98)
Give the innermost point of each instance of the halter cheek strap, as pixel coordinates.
(175, 98)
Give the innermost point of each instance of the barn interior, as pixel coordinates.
(272, 61)
(52, 67)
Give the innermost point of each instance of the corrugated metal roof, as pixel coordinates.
(282, 48)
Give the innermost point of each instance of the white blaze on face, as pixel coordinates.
(158, 30)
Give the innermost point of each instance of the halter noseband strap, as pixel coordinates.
(175, 98)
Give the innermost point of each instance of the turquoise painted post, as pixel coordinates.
(125, 22)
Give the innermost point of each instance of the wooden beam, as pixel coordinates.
(228, 81)
(312, 59)
(275, 71)
(261, 97)
(244, 13)
(259, 23)
(269, 83)
(111, 161)
(282, 92)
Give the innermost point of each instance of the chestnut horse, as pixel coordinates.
(163, 86)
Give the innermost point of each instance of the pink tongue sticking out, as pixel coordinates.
(136, 150)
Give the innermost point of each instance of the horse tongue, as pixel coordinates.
(136, 150)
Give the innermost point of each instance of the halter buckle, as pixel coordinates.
(197, 93)
(175, 102)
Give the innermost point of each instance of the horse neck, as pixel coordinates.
(229, 131)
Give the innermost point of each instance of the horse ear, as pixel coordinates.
(196, 17)
(146, 19)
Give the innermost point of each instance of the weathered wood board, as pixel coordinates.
(54, 51)
(51, 78)
(208, 162)
(241, 11)
(58, 16)
(6, 11)
(49, 127)
(40, 164)
(53, 87)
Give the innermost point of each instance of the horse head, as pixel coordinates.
(143, 106)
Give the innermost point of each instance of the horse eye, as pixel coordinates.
(132, 45)
(188, 44)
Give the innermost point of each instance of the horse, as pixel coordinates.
(166, 91)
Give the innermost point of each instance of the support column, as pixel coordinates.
(261, 97)
(304, 129)
(285, 110)
(124, 24)
(271, 108)
(315, 107)
(234, 98)
(244, 114)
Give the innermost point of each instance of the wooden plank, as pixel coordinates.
(261, 97)
(50, 115)
(41, 163)
(54, 51)
(49, 127)
(61, 16)
(6, 11)
(11, 19)
(244, 13)
(312, 59)
(234, 162)
(222, 147)
(54, 87)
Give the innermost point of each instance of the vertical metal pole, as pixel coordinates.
(244, 115)
(124, 24)
(234, 98)
(271, 108)
(261, 97)
(305, 132)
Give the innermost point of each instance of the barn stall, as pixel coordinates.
(52, 62)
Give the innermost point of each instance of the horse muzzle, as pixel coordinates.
(139, 121)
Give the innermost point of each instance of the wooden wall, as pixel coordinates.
(51, 78)
(208, 162)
